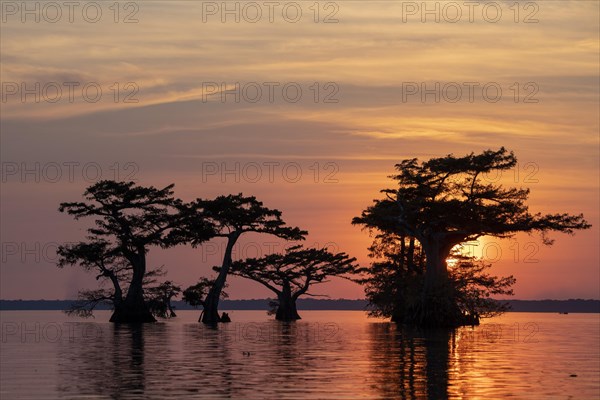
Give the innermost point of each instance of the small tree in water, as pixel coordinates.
(444, 202)
(290, 275)
(195, 295)
(159, 299)
(128, 219)
(231, 216)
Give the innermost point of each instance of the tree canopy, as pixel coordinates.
(230, 217)
(128, 218)
(236, 214)
(131, 216)
(444, 202)
(290, 275)
(448, 198)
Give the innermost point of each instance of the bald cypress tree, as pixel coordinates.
(444, 202)
(128, 219)
(230, 217)
(290, 275)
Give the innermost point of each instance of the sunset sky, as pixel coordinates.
(356, 119)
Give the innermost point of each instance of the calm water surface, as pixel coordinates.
(327, 355)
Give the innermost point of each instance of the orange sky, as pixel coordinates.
(367, 62)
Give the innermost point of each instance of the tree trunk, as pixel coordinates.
(410, 257)
(132, 311)
(436, 271)
(286, 311)
(118, 297)
(438, 306)
(133, 308)
(210, 314)
(170, 308)
(398, 310)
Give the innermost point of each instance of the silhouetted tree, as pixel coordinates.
(393, 284)
(230, 217)
(394, 281)
(444, 202)
(159, 299)
(88, 300)
(195, 295)
(291, 274)
(96, 255)
(128, 219)
(473, 288)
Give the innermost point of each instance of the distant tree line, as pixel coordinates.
(437, 205)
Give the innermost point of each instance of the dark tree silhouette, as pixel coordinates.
(95, 255)
(195, 295)
(393, 284)
(291, 274)
(444, 202)
(230, 217)
(159, 299)
(128, 220)
(473, 288)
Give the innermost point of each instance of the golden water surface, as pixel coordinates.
(326, 355)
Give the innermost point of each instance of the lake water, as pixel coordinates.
(326, 355)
